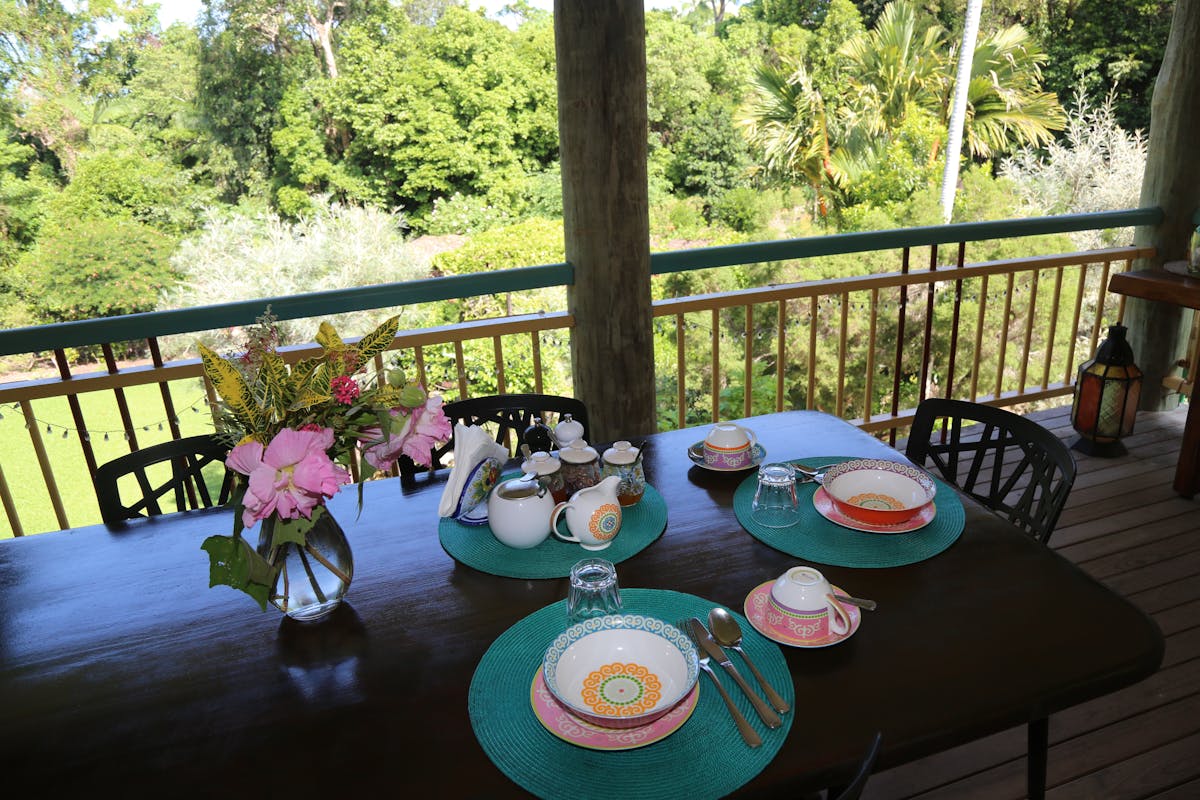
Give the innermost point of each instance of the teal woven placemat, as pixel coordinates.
(815, 538)
(704, 758)
(476, 547)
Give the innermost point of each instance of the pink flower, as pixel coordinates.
(291, 477)
(422, 428)
(344, 389)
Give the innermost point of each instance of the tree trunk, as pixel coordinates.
(1158, 331)
(958, 112)
(601, 59)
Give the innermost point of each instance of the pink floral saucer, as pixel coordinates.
(825, 507)
(570, 728)
(780, 628)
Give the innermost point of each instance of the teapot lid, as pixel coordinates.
(621, 452)
(540, 463)
(578, 452)
(567, 429)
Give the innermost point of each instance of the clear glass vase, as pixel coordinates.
(312, 578)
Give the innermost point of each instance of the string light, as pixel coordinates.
(198, 406)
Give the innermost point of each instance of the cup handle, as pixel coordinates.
(558, 509)
(839, 614)
(750, 436)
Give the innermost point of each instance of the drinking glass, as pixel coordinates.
(593, 591)
(775, 504)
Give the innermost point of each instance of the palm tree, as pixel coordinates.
(897, 63)
(786, 119)
(1006, 107)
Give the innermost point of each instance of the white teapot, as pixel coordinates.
(593, 515)
(519, 512)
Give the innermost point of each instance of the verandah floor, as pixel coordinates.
(1124, 525)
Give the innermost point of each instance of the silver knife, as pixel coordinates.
(717, 654)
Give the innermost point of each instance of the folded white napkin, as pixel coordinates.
(472, 444)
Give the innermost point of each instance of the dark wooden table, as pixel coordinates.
(120, 668)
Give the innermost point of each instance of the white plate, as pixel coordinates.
(696, 454)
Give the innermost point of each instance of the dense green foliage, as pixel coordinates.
(290, 145)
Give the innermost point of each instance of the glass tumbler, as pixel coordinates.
(593, 590)
(775, 504)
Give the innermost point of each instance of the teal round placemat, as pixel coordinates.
(475, 546)
(815, 538)
(707, 745)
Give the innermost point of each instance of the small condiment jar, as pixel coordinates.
(580, 466)
(567, 430)
(548, 470)
(625, 461)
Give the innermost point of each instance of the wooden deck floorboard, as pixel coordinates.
(1126, 527)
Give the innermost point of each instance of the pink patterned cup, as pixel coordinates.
(805, 598)
(729, 446)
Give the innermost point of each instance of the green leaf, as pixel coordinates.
(233, 562)
(377, 340)
(284, 531)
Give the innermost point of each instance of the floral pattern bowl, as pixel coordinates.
(621, 670)
(878, 492)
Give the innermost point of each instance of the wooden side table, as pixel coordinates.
(1172, 285)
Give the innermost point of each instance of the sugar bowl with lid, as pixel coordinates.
(625, 461)
(580, 466)
(548, 471)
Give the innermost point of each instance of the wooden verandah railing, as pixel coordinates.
(1005, 332)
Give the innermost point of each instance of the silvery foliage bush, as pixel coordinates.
(1096, 166)
(242, 256)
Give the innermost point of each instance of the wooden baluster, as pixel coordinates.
(955, 320)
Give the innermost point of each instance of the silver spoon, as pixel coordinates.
(728, 633)
(867, 605)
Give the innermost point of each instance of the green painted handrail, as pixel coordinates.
(42, 338)
(757, 252)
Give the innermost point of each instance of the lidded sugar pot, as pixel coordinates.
(625, 461)
(567, 430)
(548, 471)
(580, 466)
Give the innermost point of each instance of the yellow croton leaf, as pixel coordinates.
(278, 391)
(316, 390)
(377, 340)
(232, 388)
(327, 337)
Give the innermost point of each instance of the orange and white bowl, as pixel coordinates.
(878, 492)
(621, 670)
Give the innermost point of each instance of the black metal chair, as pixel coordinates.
(1013, 466)
(188, 457)
(511, 414)
(1008, 463)
(854, 789)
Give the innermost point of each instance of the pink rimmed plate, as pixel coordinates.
(779, 627)
(570, 728)
(825, 507)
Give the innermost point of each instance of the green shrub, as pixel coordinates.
(96, 268)
(744, 209)
(464, 215)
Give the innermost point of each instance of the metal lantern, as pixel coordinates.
(1106, 396)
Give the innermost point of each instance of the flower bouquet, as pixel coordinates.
(296, 432)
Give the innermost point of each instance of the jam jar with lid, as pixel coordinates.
(625, 461)
(548, 471)
(580, 466)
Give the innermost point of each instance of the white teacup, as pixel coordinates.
(805, 598)
(729, 446)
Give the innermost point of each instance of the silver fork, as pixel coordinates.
(750, 735)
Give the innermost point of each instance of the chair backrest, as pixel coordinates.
(511, 414)
(1009, 463)
(187, 456)
(854, 789)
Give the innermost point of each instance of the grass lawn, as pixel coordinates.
(24, 476)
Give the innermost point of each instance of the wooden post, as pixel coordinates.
(1158, 331)
(601, 58)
